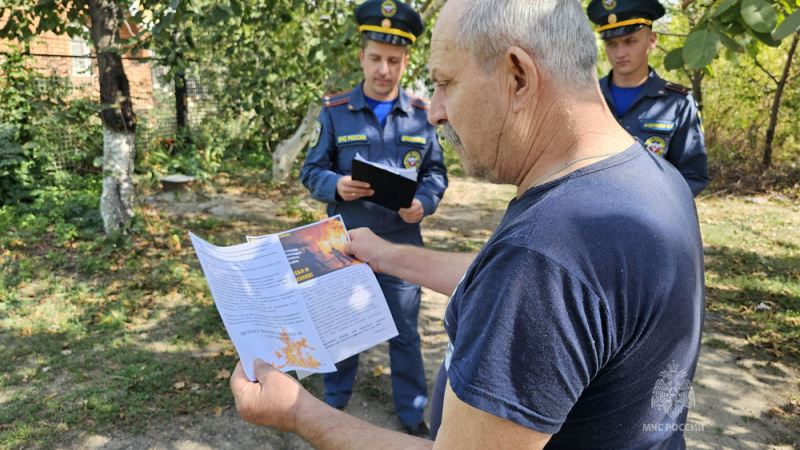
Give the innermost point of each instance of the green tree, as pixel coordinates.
(267, 60)
(27, 19)
(736, 26)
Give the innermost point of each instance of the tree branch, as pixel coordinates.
(430, 8)
(763, 69)
(664, 33)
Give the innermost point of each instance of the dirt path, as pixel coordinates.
(738, 398)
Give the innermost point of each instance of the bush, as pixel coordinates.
(38, 112)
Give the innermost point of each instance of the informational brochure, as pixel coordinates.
(295, 299)
(394, 186)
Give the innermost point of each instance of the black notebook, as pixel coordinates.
(392, 191)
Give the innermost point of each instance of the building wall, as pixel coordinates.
(63, 58)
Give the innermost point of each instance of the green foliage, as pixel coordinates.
(735, 25)
(789, 26)
(36, 118)
(700, 48)
(674, 59)
(265, 60)
(20, 16)
(12, 160)
(759, 15)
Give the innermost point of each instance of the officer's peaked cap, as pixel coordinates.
(622, 17)
(389, 21)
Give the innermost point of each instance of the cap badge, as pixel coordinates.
(612, 18)
(609, 4)
(388, 8)
(386, 23)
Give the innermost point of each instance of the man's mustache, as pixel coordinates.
(449, 134)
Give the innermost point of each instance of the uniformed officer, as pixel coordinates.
(661, 114)
(384, 124)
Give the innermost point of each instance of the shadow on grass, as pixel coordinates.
(758, 296)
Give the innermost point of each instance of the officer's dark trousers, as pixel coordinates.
(410, 391)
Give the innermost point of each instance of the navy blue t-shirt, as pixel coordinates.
(581, 317)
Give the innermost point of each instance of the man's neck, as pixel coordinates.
(583, 133)
(388, 98)
(382, 98)
(630, 80)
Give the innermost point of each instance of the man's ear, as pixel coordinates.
(523, 76)
(653, 40)
(361, 55)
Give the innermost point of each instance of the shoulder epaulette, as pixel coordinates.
(678, 88)
(419, 102)
(336, 99)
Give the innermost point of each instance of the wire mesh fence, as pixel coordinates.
(68, 67)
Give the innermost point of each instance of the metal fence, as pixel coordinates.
(68, 65)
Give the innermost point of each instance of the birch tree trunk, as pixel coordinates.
(288, 149)
(119, 121)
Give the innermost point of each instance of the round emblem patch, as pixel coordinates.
(386, 23)
(388, 8)
(315, 134)
(411, 159)
(612, 18)
(609, 4)
(656, 145)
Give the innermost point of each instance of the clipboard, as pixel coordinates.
(392, 191)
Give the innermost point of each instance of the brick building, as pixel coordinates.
(71, 62)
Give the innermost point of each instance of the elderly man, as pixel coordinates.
(578, 324)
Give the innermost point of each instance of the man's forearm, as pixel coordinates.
(437, 270)
(328, 428)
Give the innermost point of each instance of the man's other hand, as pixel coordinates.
(349, 189)
(272, 401)
(413, 213)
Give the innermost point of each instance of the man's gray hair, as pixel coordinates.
(555, 32)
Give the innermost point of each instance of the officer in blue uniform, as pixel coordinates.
(661, 114)
(381, 122)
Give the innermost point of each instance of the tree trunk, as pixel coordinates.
(116, 203)
(119, 121)
(180, 101)
(288, 149)
(697, 88)
(776, 103)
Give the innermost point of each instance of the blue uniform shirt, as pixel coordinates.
(346, 126)
(664, 117)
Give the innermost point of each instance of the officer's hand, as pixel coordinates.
(365, 246)
(272, 401)
(349, 189)
(413, 213)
